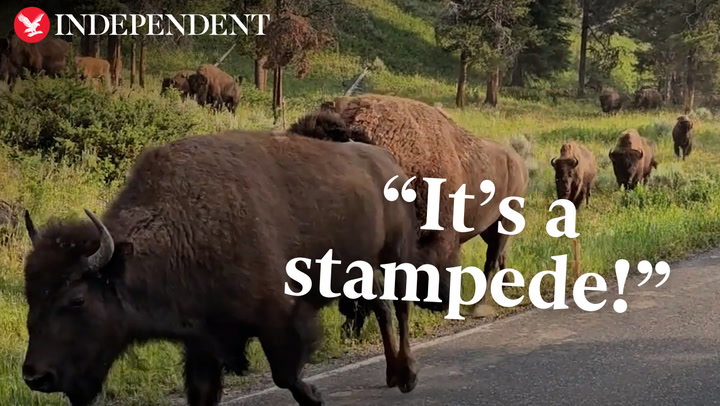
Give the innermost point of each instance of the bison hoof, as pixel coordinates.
(391, 380)
(407, 378)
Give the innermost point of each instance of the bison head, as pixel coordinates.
(199, 86)
(684, 123)
(625, 166)
(565, 175)
(75, 324)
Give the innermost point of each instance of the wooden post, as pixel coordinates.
(142, 61)
(133, 64)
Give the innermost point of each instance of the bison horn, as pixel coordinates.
(30, 226)
(552, 162)
(610, 154)
(107, 246)
(576, 163)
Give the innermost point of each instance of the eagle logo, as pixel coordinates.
(32, 24)
(31, 27)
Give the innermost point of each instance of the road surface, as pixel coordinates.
(664, 350)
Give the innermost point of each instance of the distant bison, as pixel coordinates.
(682, 136)
(92, 68)
(633, 159)
(429, 144)
(575, 172)
(213, 86)
(610, 100)
(48, 57)
(648, 98)
(180, 82)
(201, 260)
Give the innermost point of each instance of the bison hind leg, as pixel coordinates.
(355, 312)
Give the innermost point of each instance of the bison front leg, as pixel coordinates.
(406, 373)
(494, 261)
(383, 315)
(203, 376)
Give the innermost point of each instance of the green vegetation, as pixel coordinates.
(65, 147)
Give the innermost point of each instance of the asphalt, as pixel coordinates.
(664, 350)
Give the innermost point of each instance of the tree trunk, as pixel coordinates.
(462, 81)
(260, 74)
(115, 59)
(492, 92)
(277, 92)
(518, 75)
(583, 49)
(142, 61)
(133, 64)
(690, 81)
(668, 87)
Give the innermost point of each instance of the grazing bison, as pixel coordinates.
(215, 87)
(682, 136)
(180, 82)
(92, 68)
(203, 263)
(648, 98)
(633, 159)
(575, 172)
(429, 144)
(48, 57)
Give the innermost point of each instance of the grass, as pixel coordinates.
(678, 213)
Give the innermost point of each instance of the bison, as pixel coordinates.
(48, 57)
(202, 261)
(611, 101)
(180, 82)
(92, 68)
(682, 136)
(215, 87)
(429, 144)
(647, 98)
(575, 172)
(633, 159)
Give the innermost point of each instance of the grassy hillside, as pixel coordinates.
(88, 135)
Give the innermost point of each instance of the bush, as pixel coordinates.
(64, 118)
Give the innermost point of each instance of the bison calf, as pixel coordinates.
(180, 255)
(179, 82)
(633, 159)
(575, 172)
(682, 136)
(92, 68)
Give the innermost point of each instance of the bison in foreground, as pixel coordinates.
(575, 172)
(180, 82)
(429, 144)
(48, 57)
(201, 260)
(633, 159)
(682, 136)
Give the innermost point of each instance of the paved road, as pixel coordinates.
(664, 350)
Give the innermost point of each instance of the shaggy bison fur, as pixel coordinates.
(92, 68)
(575, 173)
(611, 101)
(429, 144)
(213, 86)
(647, 98)
(682, 136)
(194, 249)
(179, 82)
(48, 57)
(633, 159)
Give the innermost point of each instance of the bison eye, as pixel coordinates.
(77, 302)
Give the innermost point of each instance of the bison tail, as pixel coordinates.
(328, 126)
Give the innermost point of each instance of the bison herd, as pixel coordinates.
(208, 84)
(194, 247)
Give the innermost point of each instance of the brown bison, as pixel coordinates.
(633, 159)
(648, 98)
(429, 144)
(682, 136)
(48, 57)
(180, 82)
(575, 172)
(93, 68)
(215, 87)
(203, 262)
(611, 101)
